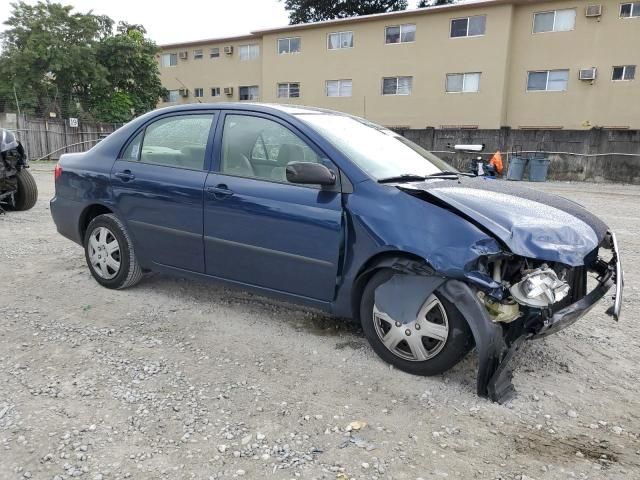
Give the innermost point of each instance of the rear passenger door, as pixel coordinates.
(158, 185)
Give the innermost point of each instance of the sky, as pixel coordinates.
(184, 20)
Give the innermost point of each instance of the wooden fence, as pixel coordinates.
(47, 139)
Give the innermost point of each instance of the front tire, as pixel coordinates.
(109, 253)
(438, 339)
(27, 194)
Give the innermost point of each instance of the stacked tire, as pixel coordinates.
(27, 194)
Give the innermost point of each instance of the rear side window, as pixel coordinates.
(132, 152)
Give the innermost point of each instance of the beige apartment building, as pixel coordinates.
(568, 64)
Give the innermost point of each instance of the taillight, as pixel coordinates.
(57, 171)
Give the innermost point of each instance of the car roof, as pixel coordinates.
(251, 106)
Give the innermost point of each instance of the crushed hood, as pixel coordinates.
(531, 223)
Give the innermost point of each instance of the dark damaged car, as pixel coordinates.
(332, 211)
(18, 189)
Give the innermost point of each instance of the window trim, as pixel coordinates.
(339, 80)
(464, 75)
(211, 54)
(546, 90)
(468, 23)
(415, 33)
(553, 28)
(219, 92)
(198, 56)
(248, 46)
(288, 84)
(624, 71)
(195, 92)
(397, 77)
(168, 66)
(632, 10)
(289, 52)
(257, 99)
(353, 41)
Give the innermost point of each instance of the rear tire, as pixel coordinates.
(109, 253)
(443, 318)
(27, 194)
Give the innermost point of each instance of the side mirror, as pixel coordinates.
(309, 173)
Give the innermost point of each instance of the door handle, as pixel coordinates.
(125, 175)
(219, 191)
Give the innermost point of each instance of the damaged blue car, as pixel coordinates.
(332, 211)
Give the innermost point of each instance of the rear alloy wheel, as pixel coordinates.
(109, 253)
(432, 343)
(27, 194)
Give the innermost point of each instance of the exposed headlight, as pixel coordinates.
(540, 288)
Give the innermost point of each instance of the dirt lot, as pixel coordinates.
(178, 379)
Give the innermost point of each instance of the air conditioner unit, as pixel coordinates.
(228, 91)
(228, 50)
(593, 11)
(184, 55)
(183, 92)
(587, 73)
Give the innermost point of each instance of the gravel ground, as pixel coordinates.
(178, 379)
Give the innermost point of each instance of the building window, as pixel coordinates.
(400, 33)
(215, 91)
(249, 93)
(198, 92)
(555, 21)
(339, 88)
(289, 90)
(463, 82)
(172, 96)
(288, 45)
(340, 40)
(397, 85)
(623, 72)
(468, 27)
(214, 52)
(169, 59)
(249, 52)
(630, 10)
(197, 54)
(548, 80)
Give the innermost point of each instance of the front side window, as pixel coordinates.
(339, 40)
(463, 82)
(260, 148)
(197, 54)
(214, 52)
(169, 59)
(468, 27)
(339, 88)
(178, 141)
(289, 90)
(249, 52)
(198, 92)
(630, 10)
(554, 21)
(288, 45)
(172, 96)
(370, 146)
(548, 80)
(249, 92)
(623, 72)
(400, 33)
(397, 85)
(215, 91)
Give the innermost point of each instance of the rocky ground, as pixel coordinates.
(178, 379)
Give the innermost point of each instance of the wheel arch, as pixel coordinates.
(88, 214)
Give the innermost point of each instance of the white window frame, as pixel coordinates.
(546, 87)
(464, 79)
(198, 54)
(212, 54)
(402, 26)
(215, 91)
(633, 10)
(624, 71)
(555, 14)
(340, 88)
(288, 85)
(289, 52)
(176, 92)
(257, 97)
(252, 52)
(340, 39)
(170, 55)
(397, 81)
(197, 90)
(468, 23)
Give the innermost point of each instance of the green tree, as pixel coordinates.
(305, 11)
(433, 3)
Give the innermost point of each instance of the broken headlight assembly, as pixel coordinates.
(540, 288)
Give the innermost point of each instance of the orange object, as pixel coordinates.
(496, 161)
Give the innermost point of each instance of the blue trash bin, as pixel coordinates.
(517, 164)
(538, 168)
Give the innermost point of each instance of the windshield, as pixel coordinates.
(378, 151)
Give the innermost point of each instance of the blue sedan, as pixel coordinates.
(332, 211)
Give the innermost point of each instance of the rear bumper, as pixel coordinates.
(66, 215)
(610, 275)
